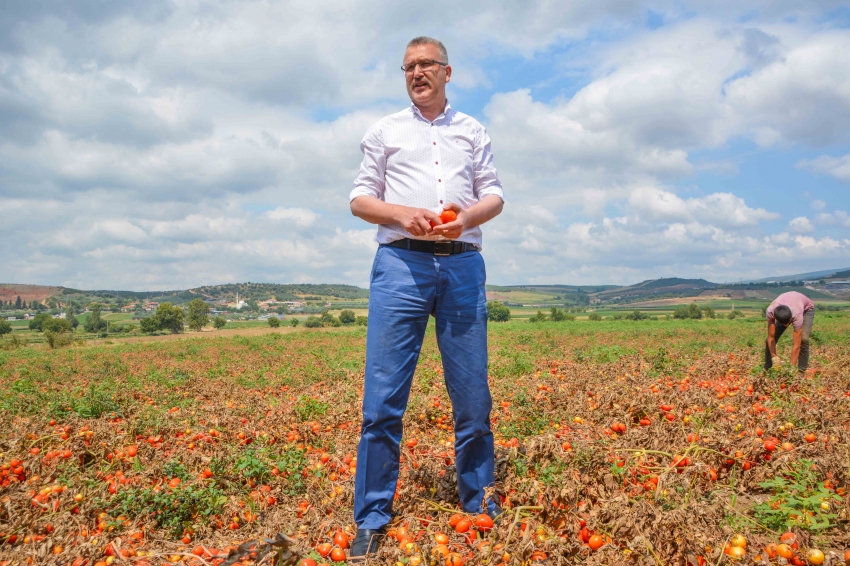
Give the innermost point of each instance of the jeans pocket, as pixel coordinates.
(375, 263)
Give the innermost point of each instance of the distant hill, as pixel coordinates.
(668, 287)
(825, 274)
(28, 293)
(651, 291)
(544, 295)
(256, 291)
(291, 292)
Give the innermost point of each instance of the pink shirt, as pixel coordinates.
(797, 302)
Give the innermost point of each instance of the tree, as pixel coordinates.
(557, 315)
(362, 321)
(330, 320)
(681, 312)
(149, 325)
(94, 323)
(170, 317)
(694, 311)
(18, 303)
(69, 316)
(293, 322)
(595, 316)
(498, 312)
(219, 322)
(539, 317)
(636, 315)
(313, 322)
(347, 317)
(37, 323)
(5, 327)
(274, 322)
(57, 332)
(56, 325)
(196, 314)
(708, 312)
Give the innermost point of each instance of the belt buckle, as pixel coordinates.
(443, 248)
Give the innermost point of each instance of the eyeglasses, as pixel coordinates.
(427, 66)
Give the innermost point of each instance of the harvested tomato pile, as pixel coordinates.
(617, 443)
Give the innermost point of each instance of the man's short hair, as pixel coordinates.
(425, 40)
(782, 314)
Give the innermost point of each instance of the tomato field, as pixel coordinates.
(645, 442)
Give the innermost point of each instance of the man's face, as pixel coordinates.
(426, 88)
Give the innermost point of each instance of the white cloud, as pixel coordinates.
(818, 204)
(301, 216)
(801, 225)
(143, 136)
(719, 209)
(838, 217)
(838, 167)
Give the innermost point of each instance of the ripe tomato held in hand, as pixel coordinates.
(448, 216)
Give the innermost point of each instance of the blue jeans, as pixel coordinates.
(406, 288)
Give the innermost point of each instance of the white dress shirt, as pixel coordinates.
(411, 161)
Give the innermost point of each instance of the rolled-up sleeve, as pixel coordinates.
(372, 177)
(486, 180)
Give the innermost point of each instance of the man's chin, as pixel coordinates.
(422, 97)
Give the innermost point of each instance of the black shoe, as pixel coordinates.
(365, 543)
(496, 514)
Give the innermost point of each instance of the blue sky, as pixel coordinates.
(156, 145)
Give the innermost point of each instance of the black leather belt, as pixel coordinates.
(436, 247)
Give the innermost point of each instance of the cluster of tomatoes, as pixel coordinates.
(787, 549)
(593, 540)
(334, 550)
(47, 499)
(12, 471)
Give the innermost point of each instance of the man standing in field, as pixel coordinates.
(795, 309)
(418, 164)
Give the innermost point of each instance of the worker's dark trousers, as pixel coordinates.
(803, 360)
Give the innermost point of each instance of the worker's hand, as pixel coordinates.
(452, 230)
(416, 221)
(777, 361)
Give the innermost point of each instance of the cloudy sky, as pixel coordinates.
(170, 144)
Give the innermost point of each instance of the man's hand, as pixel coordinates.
(777, 361)
(452, 230)
(417, 221)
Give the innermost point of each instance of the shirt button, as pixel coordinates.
(441, 202)
(439, 180)
(435, 143)
(436, 163)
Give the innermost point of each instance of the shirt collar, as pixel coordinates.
(446, 113)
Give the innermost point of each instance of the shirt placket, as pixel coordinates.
(439, 183)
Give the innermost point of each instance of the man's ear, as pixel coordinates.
(448, 73)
